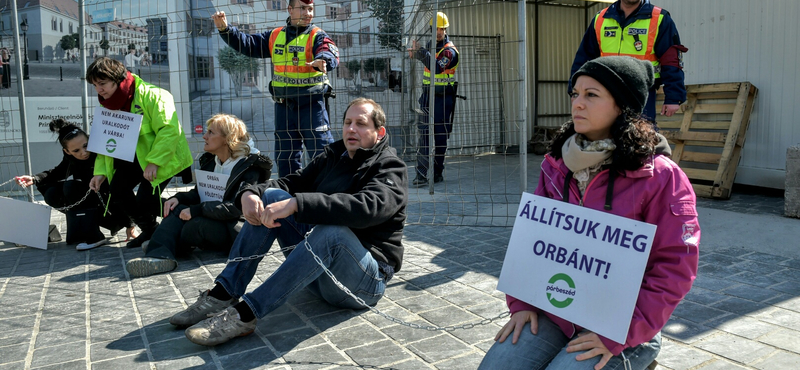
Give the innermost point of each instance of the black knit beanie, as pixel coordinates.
(628, 79)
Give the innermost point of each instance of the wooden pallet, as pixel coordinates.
(709, 134)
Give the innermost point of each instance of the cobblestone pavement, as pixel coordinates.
(63, 309)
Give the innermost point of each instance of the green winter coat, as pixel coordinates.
(161, 139)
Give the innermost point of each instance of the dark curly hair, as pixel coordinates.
(66, 131)
(633, 135)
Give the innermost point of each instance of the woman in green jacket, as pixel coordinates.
(161, 150)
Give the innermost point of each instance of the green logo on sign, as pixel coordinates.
(552, 288)
(111, 145)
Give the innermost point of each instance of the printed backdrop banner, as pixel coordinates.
(580, 264)
(40, 111)
(114, 133)
(210, 185)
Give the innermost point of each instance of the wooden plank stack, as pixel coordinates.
(709, 134)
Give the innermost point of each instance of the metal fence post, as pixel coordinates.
(22, 115)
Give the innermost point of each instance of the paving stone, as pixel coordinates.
(315, 355)
(279, 323)
(72, 365)
(449, 316)
(789, 287)
(680, 357)
(421, 303)
(781, 317)
(258, 358)
(14, 352)
(404, 334)
(789, 303)
(60, 353)
(438, 348)
(22, 335)
(202, 361)
(756, 279)
(721, 364)
(783, 338)
(719, 259)
(740, 306)
(780, 360)
(698, 313)
(354, 336)
(735, 348)
(162, 331)
(685, 331)
(60, 336)
(767, 258)
(135, 362)
(117, 348)
(112, 331)
(751, 292)
(713, 283)
(240, 344)
(742, 326)
(378, 354)
(175, 348)
(477, 334)
(470, 361)
(704, 296)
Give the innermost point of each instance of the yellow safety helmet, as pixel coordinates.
(441, 20)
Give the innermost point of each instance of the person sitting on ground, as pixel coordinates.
(161, 149)
(67, 183)
(609, 158)
(211, 225)
(347, 206)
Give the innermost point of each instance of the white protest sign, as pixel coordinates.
(210, 185)
(577, 263)
(27, 224)
(41, 110)
(114, 133)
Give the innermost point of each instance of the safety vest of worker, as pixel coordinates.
(447, 76)
(642, 33)
(289, 59)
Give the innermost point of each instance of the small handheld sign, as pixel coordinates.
(580, 264)
(28, 225)
(210, 185)
(115, 133)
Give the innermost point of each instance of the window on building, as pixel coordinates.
(242, 2)
(342, 41)
(277, 5)
(203, 67)
(163, 28)
(363, 37)
(163, 46)
(61, 25)
(54, 23)
(331, 11)
(70, 28)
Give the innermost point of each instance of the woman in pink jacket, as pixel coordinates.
(608, 158)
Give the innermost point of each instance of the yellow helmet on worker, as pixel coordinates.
(441, 20)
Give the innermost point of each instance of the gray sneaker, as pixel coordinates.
(146, 266)
(220, 328)
(199, 310)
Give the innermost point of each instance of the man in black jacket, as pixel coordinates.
(347, 207)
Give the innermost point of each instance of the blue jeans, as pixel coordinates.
(548, 350)
(338, 248)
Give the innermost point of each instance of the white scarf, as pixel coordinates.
(585, 158)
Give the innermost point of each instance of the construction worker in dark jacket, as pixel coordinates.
(637, 28)
(302, 54)
(444, 100)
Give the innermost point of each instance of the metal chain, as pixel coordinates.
(67, 208)
(373, 309)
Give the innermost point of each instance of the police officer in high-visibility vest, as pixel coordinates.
(444, 99)
(302, 54)
(641, 30)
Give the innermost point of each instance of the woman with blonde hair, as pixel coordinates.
(213, 225)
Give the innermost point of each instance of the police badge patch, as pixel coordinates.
(334, 49)
(610, 34)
